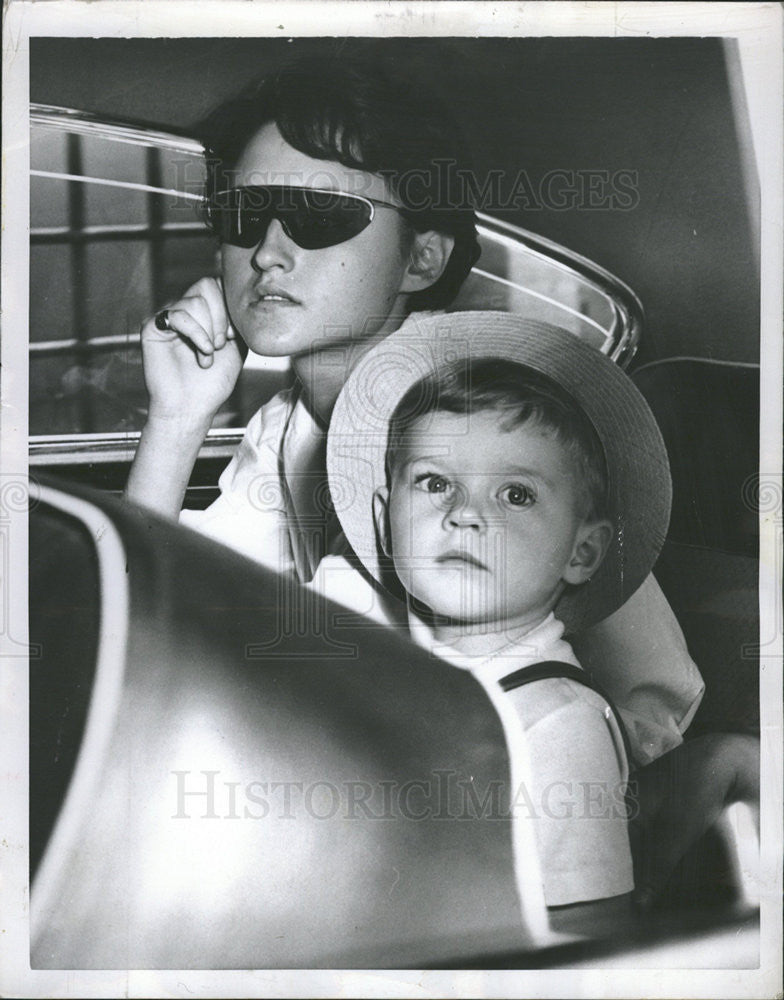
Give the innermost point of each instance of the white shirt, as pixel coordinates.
(575, 764)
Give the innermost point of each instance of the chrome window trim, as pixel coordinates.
(84, 123)
(60, 234)
(108, 182)
(117, 446)
(118, 340)
(629, 313)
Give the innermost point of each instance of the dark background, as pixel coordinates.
(660, 107)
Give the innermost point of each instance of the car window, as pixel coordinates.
(116, 232)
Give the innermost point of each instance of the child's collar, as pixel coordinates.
(531, 646)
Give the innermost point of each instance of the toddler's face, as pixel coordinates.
(485, 524)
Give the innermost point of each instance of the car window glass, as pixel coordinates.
(109, 244)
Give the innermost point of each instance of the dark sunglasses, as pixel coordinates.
(312, 217)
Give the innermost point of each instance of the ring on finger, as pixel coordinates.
(162, 320)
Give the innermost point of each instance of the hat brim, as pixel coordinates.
(639, 486)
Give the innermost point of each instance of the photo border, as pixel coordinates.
(758, 29)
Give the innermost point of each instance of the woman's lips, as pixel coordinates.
(269, 303)
(273, 296)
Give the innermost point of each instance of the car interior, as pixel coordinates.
(115, 231)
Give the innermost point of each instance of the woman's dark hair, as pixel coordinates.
(350, 111)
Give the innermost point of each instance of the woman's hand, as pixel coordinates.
(190, 370)
(192, 367)
(681, 795)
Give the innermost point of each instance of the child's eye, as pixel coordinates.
(432, 482)
(517, 495)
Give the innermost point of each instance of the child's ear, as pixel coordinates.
(381, 519)
(592, 541)
(428, 257)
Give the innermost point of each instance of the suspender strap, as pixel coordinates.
(548, 669)
(544, 671)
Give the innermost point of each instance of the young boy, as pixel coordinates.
(514, 482)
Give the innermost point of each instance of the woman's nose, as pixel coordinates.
(275, 250)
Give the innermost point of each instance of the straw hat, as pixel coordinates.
(639, 487)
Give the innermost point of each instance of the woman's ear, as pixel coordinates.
(428, 257)
(381, 519)
(592, 541)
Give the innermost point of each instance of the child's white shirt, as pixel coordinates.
(575, 769)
